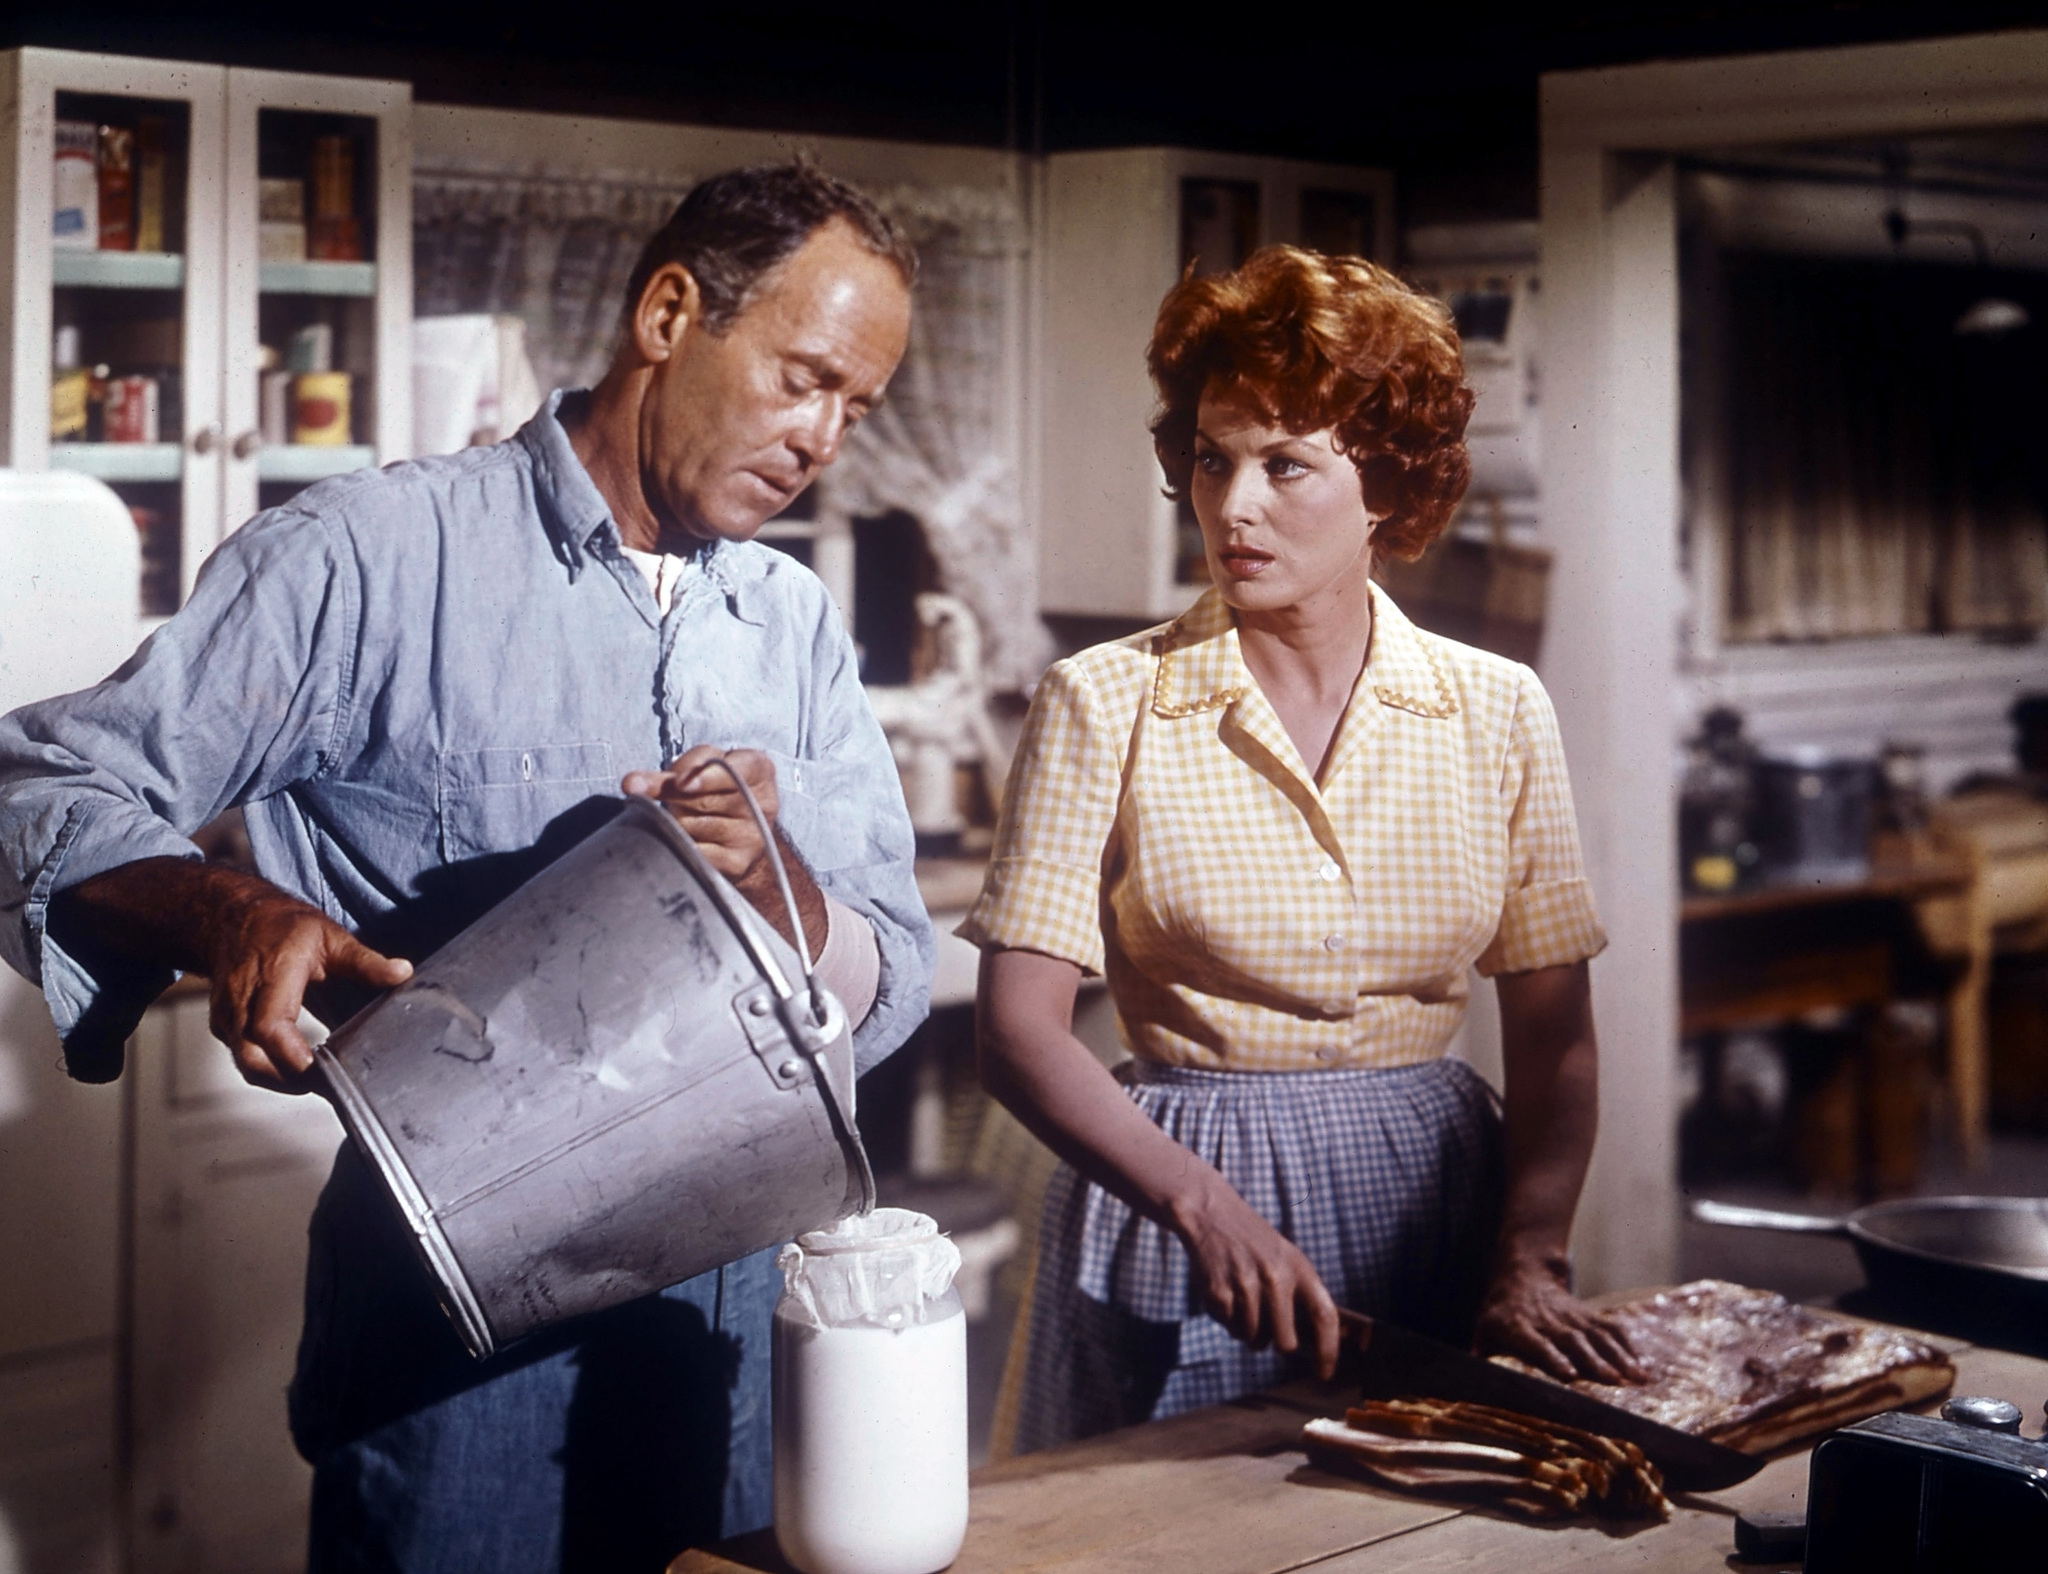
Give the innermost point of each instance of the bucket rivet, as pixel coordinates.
(788, 1069)
(758, 1005)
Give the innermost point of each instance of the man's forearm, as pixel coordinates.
(760, 889)
(168, 912)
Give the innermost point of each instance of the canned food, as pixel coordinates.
(131, 410)
(320, 409)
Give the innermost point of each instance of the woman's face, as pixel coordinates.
(1283, 517)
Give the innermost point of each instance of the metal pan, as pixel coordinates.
(1975, 1263)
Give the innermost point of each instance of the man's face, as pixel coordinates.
(736, 425)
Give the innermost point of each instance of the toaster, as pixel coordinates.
(1909, 1494)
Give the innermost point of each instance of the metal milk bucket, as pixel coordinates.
(612, 1081)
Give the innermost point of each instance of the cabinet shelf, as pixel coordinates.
(119, 270)
(317, 278)
(312, 462)
(119, 461)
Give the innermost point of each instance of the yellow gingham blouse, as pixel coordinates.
(1160, 828)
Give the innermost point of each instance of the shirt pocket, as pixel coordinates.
(503, 800)
(827, 811)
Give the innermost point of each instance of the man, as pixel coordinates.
(421, 683)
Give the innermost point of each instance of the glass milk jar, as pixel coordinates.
(871, 1399)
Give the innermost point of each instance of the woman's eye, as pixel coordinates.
(1281, 468)
(1211, 463)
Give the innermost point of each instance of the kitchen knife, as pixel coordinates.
(1398, 1364)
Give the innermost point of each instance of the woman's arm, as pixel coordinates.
(1551, 1059)
(1254, 1277)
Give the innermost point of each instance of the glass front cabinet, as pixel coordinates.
(210, 275)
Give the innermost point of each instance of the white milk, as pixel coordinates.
(871, 1443)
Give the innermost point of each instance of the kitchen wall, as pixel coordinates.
(1947, 693)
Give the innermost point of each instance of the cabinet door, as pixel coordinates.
(225, 1178)
(116, 267)
(319, 281)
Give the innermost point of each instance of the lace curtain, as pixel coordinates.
(1884, 472)
(937, 448)
(557, 251)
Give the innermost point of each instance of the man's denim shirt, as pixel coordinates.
(416, 681)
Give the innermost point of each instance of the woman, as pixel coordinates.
(1285, 826)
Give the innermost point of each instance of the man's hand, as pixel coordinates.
(1531, 1313)
(701, 796)
(259, 946)
(264, 949)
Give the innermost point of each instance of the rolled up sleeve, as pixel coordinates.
(843, 811)
(1043, 890)
(233, 699)
(1547, 917)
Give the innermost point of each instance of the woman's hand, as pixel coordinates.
(1254, 1279)
(1531, 1313)
(1257, 1283)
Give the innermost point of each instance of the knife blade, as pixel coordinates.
(1399, 1364)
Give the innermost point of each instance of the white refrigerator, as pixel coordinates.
(69, 596)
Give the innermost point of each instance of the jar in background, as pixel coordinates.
(870, 1385)
(1716, 804)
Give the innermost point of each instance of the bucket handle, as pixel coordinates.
(841, 1114)
(796, 922)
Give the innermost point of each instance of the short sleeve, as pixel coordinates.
(1043, 891)
(1547, 917)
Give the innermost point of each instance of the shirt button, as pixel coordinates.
(1333, 942)
(1333, 1008)
(1328, 1052)
(1329, 871)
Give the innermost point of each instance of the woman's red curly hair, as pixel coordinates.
(1324, 343)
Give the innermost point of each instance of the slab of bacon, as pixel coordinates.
(1749, 1369)
(1534, 1469)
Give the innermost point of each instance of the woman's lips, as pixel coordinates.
(1245, 565)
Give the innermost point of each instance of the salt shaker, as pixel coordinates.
(871, 1398)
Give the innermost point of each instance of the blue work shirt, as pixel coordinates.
(420, 683)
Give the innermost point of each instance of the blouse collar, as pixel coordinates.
(1201, 665)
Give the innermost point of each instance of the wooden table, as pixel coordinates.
(1778, 952)
(1229, 1491)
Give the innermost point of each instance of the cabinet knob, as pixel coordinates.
(247, 444)
(205, 440)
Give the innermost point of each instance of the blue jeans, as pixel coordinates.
(610, 1443)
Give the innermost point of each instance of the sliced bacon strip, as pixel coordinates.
(1527, 1467)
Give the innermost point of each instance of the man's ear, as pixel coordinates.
(668, 308)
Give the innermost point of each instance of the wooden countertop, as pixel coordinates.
(1905, 882)
(1229, 1491)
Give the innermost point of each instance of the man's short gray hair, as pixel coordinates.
(734, 228)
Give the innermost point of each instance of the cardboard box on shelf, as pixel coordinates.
(75, 220)
(150, 175)
(117, 188)
(281, 220)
